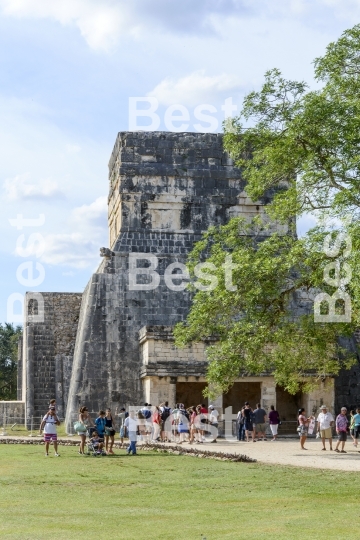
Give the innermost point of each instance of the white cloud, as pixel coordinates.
(195, 88)
(22, 188)
(100, 23)
(79, 249)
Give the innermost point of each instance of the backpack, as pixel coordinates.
(165, 414)
(146, 413)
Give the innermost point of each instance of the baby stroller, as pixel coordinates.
(94, 449)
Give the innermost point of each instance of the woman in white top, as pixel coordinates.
(84, 418)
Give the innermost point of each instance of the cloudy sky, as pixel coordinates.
(68, 71)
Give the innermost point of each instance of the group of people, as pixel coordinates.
(179, 424)
(159, 423)
(253, 423)
(326, 424)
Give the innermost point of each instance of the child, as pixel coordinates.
(100, 424)
(97, 442)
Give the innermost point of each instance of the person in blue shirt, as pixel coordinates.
(357, 425)
(100, 424)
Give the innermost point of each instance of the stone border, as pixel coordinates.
(161, 448)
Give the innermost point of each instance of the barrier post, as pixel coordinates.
(4, 433)
(32, 427)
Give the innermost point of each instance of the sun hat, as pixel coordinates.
(211, 407)
(323, 407)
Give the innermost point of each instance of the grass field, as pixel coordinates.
(160, 496)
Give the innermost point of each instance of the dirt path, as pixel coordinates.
(288, 452)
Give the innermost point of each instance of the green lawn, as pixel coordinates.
(160, 496)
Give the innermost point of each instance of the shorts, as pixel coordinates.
(261, 428)
(342, 436)
(50, 437)
(357, 432)
(303, 431)
(326, 433)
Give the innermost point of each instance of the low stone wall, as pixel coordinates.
(12, 409)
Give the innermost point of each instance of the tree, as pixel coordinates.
(304, 146)
(305, 143)
(9, 336)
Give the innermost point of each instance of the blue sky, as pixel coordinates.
(68, 69)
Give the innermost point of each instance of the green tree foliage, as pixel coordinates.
(303, 146)
(255, 325)
(307, 141)
(9, 336)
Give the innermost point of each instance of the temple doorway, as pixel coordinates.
(287, 404)
(191, 393)
(241, 392)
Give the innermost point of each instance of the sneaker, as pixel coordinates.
(57, 455)
(214, 441)
(46, 455)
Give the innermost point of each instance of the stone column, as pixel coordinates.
(19, 392)
(323, 394)
(29, 405)
(59, 393)
(172, 391)
(268, 393)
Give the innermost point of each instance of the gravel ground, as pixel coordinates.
(288, 452)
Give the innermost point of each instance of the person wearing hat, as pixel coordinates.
(325, 424)
(214, 421)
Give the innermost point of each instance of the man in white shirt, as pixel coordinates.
(214, 421)
(325, 422)
(49, 423)
(131, 425)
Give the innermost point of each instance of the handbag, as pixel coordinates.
(79, 427)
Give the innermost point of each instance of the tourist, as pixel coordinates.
(325, 424)
(131, 425)
(49, 423)
(165, 422)
(148, 421)
(352, 427)
(174, 423)
(214, 422)
(122, 415)
(341, 424)
(141, 425)
(260, 422)
(199, 426)
(109, 432)
(303, 427)
(241, 424)
(156, 419)
(100, 423)
(357, 426)
(182, 423)
(248, 415)
(97, 442)
(204, 419)
(274, 421)
(83, 424)
(192, 414)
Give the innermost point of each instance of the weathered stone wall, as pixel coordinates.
(166, 189)
(43, 343)
(14, 411)
(347, 383)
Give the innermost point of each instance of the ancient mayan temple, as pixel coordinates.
(113, 344)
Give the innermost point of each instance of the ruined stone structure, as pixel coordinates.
(113, 344)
